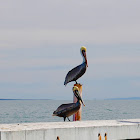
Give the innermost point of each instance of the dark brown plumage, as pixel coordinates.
(66, 110)
(75, 73)
(78, 71)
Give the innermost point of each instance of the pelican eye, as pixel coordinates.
(83, 51)
(76, 91)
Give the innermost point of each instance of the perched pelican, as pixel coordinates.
(78, 71)
(105, 136)
(99, 137)
(66, 110)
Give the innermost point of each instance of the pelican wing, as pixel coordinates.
(75, 73)
(62, 109)
(64, 106)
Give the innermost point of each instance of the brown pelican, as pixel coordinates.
(66, 110)
(99, 137)
(78, 71)
(105, 136)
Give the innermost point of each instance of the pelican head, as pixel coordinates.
(83, 53)
(77, 94)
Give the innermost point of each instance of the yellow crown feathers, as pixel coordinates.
(75, 88)
(83, 48)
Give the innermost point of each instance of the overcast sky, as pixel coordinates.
(40, 42)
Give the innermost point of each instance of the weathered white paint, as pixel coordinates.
(80, 130)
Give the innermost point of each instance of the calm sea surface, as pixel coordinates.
(22, 111)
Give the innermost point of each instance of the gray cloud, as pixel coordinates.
(40, 43)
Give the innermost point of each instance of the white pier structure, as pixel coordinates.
(80, 130)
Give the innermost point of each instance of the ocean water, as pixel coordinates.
(23, 111)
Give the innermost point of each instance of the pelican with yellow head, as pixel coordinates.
(78, 71)
(66, 110)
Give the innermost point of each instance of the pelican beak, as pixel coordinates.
(81, 99)
(77, 94)
(82, 102)
(85, 58)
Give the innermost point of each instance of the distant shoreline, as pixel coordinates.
(25, 99)
(130, 98)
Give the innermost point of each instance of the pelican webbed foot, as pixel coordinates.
(68, 119)
(78, 83)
